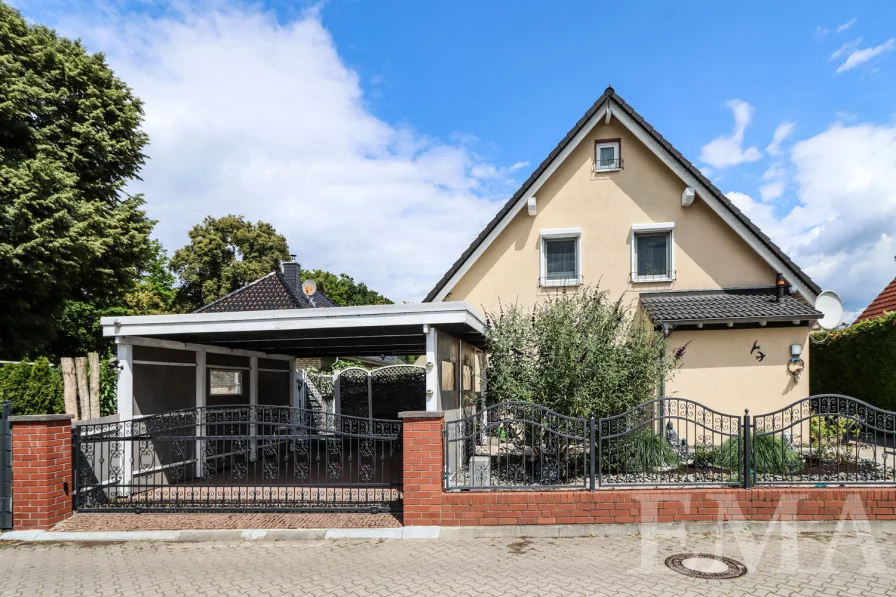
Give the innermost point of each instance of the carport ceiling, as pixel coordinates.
(340, 331)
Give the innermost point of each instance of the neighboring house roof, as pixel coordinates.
(725, 305)
(885, 302)
(270, 292)
(611, 100)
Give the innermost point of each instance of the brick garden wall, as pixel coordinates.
(41, 471)
(425, 503)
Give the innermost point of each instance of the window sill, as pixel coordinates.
(560, 282)
(601, 170)
(650, 279)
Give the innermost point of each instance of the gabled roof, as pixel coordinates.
(724, 305)
(618, 106)
(885, 302)
(270, 292)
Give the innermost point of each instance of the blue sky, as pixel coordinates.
(364, 130)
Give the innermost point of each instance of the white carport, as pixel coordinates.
(156, 353)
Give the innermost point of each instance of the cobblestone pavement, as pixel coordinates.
(624, 565)
(175, 522)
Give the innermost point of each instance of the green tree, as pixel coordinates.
(343, 290)
(154, 292)
(578, 354)
(70, 140)
(34, 388)
(223, 255)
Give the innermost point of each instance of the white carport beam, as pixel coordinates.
(125, 399)
(432, 369)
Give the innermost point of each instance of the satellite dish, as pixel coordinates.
(829, 303)
(309, 287)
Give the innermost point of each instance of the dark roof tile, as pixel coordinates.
(724, 304)
(268, 293)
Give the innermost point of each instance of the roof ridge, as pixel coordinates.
(610, 94)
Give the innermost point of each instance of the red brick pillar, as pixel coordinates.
(423, 467)
(41, 470)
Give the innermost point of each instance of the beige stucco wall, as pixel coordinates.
(707, 252)
(719, 371)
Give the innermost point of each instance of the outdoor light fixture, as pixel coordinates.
(429, 365)
(796, 350)
(532, 206)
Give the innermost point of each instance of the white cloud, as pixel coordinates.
(847, 25)
(845, 49)
(728, 150)
(781, 133)
(843, 229)
(262, 118)
(858, 57)
(771, 191)
(821, 31)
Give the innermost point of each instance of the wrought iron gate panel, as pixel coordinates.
(239, 458)
(5, 466)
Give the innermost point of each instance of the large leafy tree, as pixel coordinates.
(223, 255)
(343, 290)
(70, 140)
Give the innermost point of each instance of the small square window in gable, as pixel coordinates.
(607, 155)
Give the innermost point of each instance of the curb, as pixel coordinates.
(461, 533)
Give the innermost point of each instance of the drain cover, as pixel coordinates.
(705, 565)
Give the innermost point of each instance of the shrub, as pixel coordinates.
(578, 354)
(857, 361)
(770, 454)
(34, 389)
(641, 451)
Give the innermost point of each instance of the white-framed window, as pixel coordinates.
(607, 155)
(561, 257)
(225, 382)
(653, 252)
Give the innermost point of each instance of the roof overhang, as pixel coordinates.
(335, 331)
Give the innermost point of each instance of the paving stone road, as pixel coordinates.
(824, 564)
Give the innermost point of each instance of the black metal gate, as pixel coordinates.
(239, 458)
(5, 466)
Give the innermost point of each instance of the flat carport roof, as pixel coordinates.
(331, 331)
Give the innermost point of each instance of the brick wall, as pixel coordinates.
(426, 504)
(422, 462)
(41, 470)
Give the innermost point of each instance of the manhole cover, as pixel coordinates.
(705, 565)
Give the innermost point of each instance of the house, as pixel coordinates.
(615, 203)
(884, 303)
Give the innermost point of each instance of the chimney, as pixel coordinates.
(292, 273)
(780, 286)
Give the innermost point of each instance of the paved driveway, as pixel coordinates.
(625, 565)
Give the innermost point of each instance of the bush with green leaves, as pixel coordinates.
(576, 353)
(34, 388)
(770, 454)
(641, 451)
(857, 361)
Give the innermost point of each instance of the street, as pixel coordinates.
(817, 564)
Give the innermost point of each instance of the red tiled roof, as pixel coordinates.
(885, 301)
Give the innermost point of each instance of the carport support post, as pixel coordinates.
(432, 369)
(200, 410)
(125, 399)
(253, 411)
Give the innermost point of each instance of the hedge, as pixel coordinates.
(858, 361)
(34, 389)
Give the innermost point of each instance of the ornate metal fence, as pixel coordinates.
(239, 458)
(825, 439)
(5, 466)
(519, 445)
(670, 441)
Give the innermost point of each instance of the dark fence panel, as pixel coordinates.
(825, 439)
(518, 445)
(670, 441)
(239, 458)
(5, 466)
